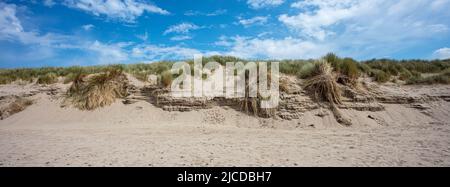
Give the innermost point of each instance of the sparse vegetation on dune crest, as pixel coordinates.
(98, 90)
(323, 84)
(441, 78)
(406, 70)
(349, 72)
(48, 78)
(166, 78)
(380, 76)
(324, 87)
(349, 69)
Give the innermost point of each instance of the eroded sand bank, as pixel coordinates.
(141, 134)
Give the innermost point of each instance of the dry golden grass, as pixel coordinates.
(16, 106)
(323, 84)
(99, 90)
(284, 85)
(324, 87)
(252, 105)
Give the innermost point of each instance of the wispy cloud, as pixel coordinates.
(49, 45)
(11, 29)
(443, 53)
(199, 13)
(181, 28)
(257, 4)
(88, 27)
(368, 28)
(320, 18)
(155, 52)
(257, 20)
(292, 48)
(49, 3)
(124, 10)
(316, 15)
(109, 53)
(180, 38)
(143, 37)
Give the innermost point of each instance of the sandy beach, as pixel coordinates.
(140, 134)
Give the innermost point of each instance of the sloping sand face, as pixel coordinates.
(141, 134)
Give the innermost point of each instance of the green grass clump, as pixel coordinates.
(437, 79)
(166, 78)
(422, 66)
(441, 78)
(405, 75)
(364, 68)
(49, 78)
(221, 59)
(380, 76)
(291, 67)
(348, 72)
(6, 80)
(349, 68)
(70, 77)
(334, 61)
(307, 70)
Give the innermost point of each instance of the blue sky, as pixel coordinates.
(37, 33)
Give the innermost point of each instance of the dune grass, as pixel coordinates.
(441, 78)
(407, 70)
(97, 90)
(324, 87)
(348, 69)
(49, 78)
(18, 105)
(380, 76)
(252, 105)
(165, 79)
(323, 83)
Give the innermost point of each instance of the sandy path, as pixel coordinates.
(143, 135)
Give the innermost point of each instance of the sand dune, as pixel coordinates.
(141, 134)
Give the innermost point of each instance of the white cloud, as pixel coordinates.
(223, 41)
(320, 19)
(180, 38)
(143, 37)
(108, 53)
(181, 28)
(258, 20)
(125, 10)
(39, 47)
(198, 13)
(10, 25)
(442, 53)
(154, 52)
(49, 3)
(11, 29)
(88, 27)
(257, 4)
(369, 28)
(316, 15)
(50, 46)
(286, 48)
